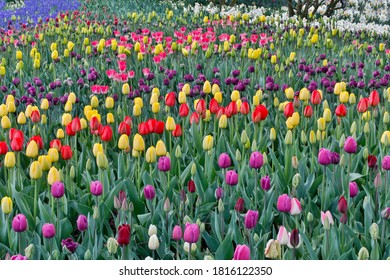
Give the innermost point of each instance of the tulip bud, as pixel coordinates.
(363, 254)
(112, 245)
(221, 207)
(288, 139)
(6, 205)
(374, 231)
(29, 251)
(167, 205)
(96, 213)
(101, 160)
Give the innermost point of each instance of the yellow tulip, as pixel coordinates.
(304, 94)
(101, 160)
(123, 142)
(60, 133)
(137, 110)
(218, 97)
(272, 134)
(156, 107)
(312, 137)
(11, 108)
(97, 147)
(35, 170)
(208, 142)
(186, 89)
(138, 101)
(170, 124)
(288, 139)
(2, 71)
(138, 143)
(37, 63)
(295, 118)
(44, 104)
(5, 122)
(66, 119)
(327, 114)
(337, 88)
(344, 97)
(54, 55)
(68, 106)
(151, 155)
(222, 121)
(153, 98)
(3, 110)
(235, 95)
(9, 160)
(385, 139)
(72, 97)
(110, 118)
(182, 97)
(53, 154)
(53, 175)
(109, 102)
(6, 205)
(207, 87)
(32, 149)
(161, 150)
(45, 162)
(94, 102)
(19, 55)
(289, 93)
(215, 88)
(321, 124)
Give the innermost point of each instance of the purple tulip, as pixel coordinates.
(48, 231)
(70, 245)
(324, 157)
(386, 213)
(164, 164)
(57, 189)
(19, 223)
(219, 193)
(149, 192)
(265, 183)
(242, 252)
(386, 163)
(256, 160)
(191, 233)
(284, 203)
(224, 161)
(177, 233)
(96, 188)
(82, 223)
(240, 205)
(335, 158)
(350, 145)
(251, 218)
(231, 178)
(353, 189)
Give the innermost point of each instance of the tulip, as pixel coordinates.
(265, 183)
(283, 237)
(350, 145)
(138, 143)
(363, 105)
(149, 192)
(284, 203)
(19, 257)
(251, 218)
(324, 157)
(260, 113)
(208, 142)
(101, 160)
(273, 249)
(82, 223)
(106, 133)
(176, 233)
(242, 252)
(164, 164)
(239, 207)
(69, 245)
(32, 149)
(342, 205)
(66, 152)
(35, 170)
(48, 231)
(153, 243)
(231, 178)
(161, 150)
(371, 161)
(256, 160)
(151, 155)
(6, 205)
(170, 124)
(191, 186)
(96, 188)
(353, 189)
(224, 160)
(295, 240)
(9, 160)
(326, 219)
(386, 213)
(19, 223)
(191, 233)
(57, 189)
(296, 207)
(386, 163)
(123, 142)
(373, 99)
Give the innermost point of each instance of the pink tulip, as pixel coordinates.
(224, 161)
(48, 231)
(176, 233)
(324, 157)
(350, 145)
(326, 216)
(353, 189)
(284, 203)
(256, 160)
(19, 223)
(191, 233)
(283, 236)
(251, 218)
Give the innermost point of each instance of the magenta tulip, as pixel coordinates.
(164, 164)
(265, 183)
(82, 223)
(191, 233)
(177, 233)
(324, 157)
(231, 178)
(256, 160)
(350, 145)
(386, 163)
(149, 192)
(284, 203)
(242, 252)
(96, 188)
(224, 160)
(353, 189)
(57, 189)
(251, 218)
(19, 223)
(48, 231)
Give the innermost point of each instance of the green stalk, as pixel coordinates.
(323, 189)
(35, 200)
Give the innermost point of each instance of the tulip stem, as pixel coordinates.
(58, 219)
(9, 180)
(177, 250)
(383, 232)
(8, 230)
(139, 174)
(189, 252)
(125, 253)
(255, 189)
(323, 188)
(20, 242)
(35, 200)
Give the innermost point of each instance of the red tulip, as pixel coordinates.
(124, 128)
(152, 123)
(374, 98)
(308, 111)
(106, 133)
(220, 112)
(231, 109)
(94, 125)
(260, 113)
(66, 152)
(124, 234)
(341, 110)
(3, 148)
(239, 207)
(289, 110)
(191, 186)
(143, 128)
(214, 106)
(17, 144)
(184, 110)
(372, 160)
(35, 116)
(170, 99)
(13, 133)
(315, 97)
(177, 132)
(69, 130)
(56, 144)
(244, 109)
(362, 105)
(200, 107)
(128, 120)
(160, 126)
(194, 118)
(342, 206)
(76, 124)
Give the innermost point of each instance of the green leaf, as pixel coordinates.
(225, 250)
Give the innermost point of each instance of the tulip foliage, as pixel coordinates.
(173, 135)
